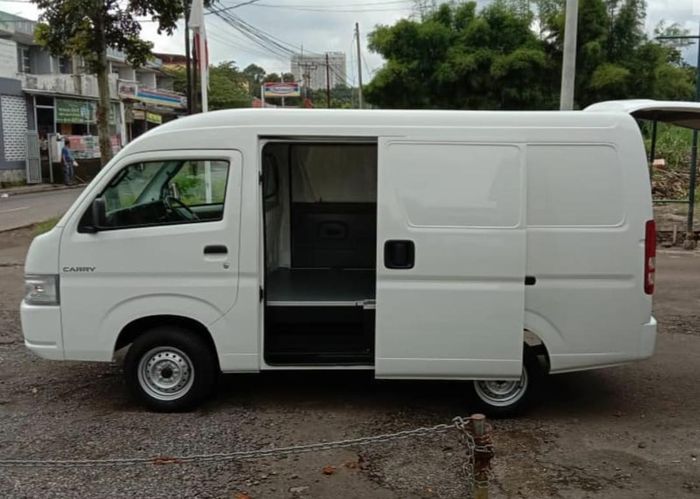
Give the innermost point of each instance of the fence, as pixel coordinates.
(473, 432)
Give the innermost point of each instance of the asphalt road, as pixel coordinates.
(627, 432)
(25, 209)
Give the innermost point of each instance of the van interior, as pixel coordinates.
(320, 217)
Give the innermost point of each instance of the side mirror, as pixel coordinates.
(99, 213)
(98, 216)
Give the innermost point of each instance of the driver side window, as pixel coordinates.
(166, 192)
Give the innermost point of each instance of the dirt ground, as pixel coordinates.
(629, 432)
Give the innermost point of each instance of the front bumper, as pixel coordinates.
(41, 326)
(648, 339)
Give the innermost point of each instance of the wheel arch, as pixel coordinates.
(536, 346)
(133, 329)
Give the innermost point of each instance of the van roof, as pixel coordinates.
(381, 118)
(601, 114)
(208, 130)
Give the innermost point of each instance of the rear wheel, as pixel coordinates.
(505, 398)
(170, 368)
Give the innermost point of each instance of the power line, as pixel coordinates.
(258, 36)
(370, 71)
(213, 10)
(349, 4)
(335, 10)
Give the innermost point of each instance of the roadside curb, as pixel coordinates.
(19, 227)
(26, 190)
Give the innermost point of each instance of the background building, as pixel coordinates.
(42, 95)
(311, 69)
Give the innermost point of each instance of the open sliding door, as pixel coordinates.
(450, 259)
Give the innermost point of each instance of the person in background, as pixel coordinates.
(69, 163)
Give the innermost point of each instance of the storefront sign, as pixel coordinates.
(128, 89)
(158, 97)
(273, 89)
(75, 111)
(154, 118)
(139, 114)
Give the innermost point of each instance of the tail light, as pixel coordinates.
(649, 256)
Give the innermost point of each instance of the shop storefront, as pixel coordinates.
(76, 119)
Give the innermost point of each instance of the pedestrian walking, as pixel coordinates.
(69, 163)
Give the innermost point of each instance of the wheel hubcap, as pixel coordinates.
(502, 393)
(166, 373)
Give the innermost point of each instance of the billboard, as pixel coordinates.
(277, 89)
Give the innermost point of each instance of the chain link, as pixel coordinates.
(462, 424)
(231, 456)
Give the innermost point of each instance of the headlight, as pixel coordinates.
(41, 290)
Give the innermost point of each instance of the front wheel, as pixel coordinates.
(170, 369)
(504, 398)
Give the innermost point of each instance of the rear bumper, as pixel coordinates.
(41, 326)
(648, 339)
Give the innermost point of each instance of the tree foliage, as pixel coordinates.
(228, 86)
(88, 28)
(507, 55)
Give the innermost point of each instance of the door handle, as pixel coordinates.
(215, 249)
(530, 280)
(399, 254)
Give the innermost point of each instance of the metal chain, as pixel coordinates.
(474, 478)
(239, 455)
(467, 440)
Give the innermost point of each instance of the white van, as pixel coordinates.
(416, 244)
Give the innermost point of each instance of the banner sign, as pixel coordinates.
(128, 89)
(75, 111)
(154, 118)
(84, 146)
(160, 98)
(274, 89)
(132, 90)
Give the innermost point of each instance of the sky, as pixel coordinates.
(327, 25)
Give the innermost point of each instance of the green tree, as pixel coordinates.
(508, 56)
(615, 58)
(228, 86)
(89, 28)
(276, 78)
(458, 58)
(255, 76)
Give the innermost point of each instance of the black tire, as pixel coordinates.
(170, 369)
(532, 374)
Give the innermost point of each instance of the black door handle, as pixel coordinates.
(215, 249)
(399, 254)
(530, 280)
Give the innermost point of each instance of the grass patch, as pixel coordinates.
(45, 226)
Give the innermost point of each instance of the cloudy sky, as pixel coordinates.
(327, 25)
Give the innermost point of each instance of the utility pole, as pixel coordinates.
(188, 61)
(328, 82)
(689, 242)
(568, 70)
(195, 96)
(359, 67)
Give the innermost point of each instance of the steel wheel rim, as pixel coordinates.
(166, 373)
(502, 393)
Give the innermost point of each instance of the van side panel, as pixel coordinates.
(587, 206)
(456, 311)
